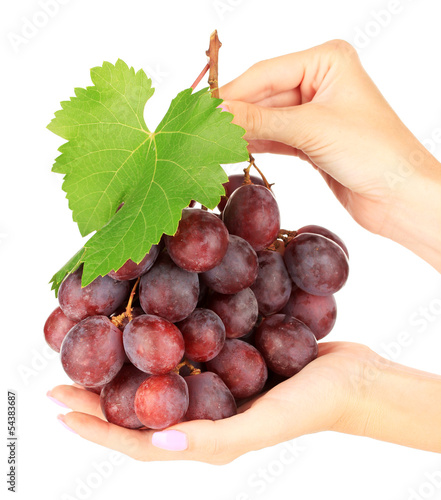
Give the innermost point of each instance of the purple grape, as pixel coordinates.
(95, 389)
(234, 182)
(252, 213)
(204, 335)
(316, 264)
(286, 343)
(131, 270)
(101, 297)
(238, 312)
(153, 344)
(317, 312)
(326, 233)
(200, 242)
(118, 397)
(56, 327)
(209, 398)
(238, 269)
(92, 352)
(161, 401)
(169, 291)
(241, 367)
(273, 284)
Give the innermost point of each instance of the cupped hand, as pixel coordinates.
(315, 399)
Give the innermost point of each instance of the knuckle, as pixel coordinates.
(340, 46)
(253, 118)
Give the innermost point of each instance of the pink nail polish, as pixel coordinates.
(64, 424)
(223, 107)
(170, 440)
(59, 403)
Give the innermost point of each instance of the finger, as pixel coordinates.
(78, 399)
(269, 77)
(289, 126)
(133, 443)
(288, 98)
(259, 146)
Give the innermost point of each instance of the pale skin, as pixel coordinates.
(321, 106)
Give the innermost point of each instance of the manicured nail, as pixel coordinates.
(170, 440)
(59, 403)
(224, 107)
(63, 423)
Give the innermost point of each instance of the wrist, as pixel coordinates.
(414, 215)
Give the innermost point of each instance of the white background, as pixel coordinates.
(387, 284)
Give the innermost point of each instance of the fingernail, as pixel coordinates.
(224, 107)
(63, 423)
(59, 403)
(170, 440)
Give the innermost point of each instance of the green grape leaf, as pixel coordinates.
(111, 157)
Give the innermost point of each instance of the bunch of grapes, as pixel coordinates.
(222, 304)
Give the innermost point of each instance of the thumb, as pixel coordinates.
(286, 125)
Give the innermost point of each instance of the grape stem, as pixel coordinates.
(247, 173)
(213, 55)
(118, 320)
(194, 371)
(201, 75)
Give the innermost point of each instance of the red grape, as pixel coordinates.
(252, 213)
(118, 397)
(238, 312)
(234, 182)
(161, 401)
(56, 327)
(316, 264)
(200, 242)
(169, 291)
(101, 297)
(92, 352)
(326, 233)
(286, 344)
(131, 270)
(153, 344)
(204, 335)
(317, 312)
(238, 269)
(241, 367)
(273, 284)
(209, 398)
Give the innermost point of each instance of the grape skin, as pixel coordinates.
(286, 344)
(238, 312)
(153, 344)
(241, 367)
(204, 335)
(234, 182)
(131, 270)
(253, 214)
(316, 264)
(169, 291)
(326, 233)
(117, 398)
(161, 400)
(273, 285)
(92, 352)
(56, 327)
(200, 242)
(209, 398)
(319, 313)
(237, 270)
(101, 297)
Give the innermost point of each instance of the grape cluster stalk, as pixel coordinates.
(210, 317)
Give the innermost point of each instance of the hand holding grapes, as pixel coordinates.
(347, 387)
(320, 105)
